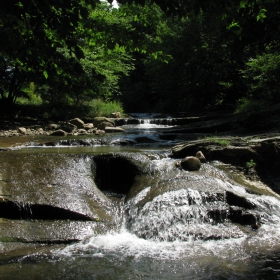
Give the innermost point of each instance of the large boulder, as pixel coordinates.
(51, 187)
(104, 124)
(68, 127)
(22, 130)
(190, 163)
(77, 122)
(88, 126)
(98, 120)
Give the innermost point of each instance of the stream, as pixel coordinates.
(165, 223)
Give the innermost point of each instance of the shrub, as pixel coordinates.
(98, 108)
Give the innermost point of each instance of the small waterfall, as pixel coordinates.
(26, 211)
(183, 214)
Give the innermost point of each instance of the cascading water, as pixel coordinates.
(172, 224)
(172, 236)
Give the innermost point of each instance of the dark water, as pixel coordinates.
(123, 255)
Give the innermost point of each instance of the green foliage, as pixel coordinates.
(100, 108)
(251, 164)
(208, 54)
(246, 105)
(262, 75)
(220, 141)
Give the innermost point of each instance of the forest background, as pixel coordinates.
(89, 57)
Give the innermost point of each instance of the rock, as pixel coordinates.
(52, 126)
(190, 163)
(99, 132)
(98, 120)
(77, 122)
(22, 130)
(88, 126)
(256, 225)
(59, 132)
(50, 144)
(82, 131)
(113, 129)
(201, 157)
(68, 127)
(2, 149)
(116, 115)
(104, 124)
(59, 196)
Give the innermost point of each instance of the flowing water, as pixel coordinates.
(169, 237)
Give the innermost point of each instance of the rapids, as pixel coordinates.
(171, 224)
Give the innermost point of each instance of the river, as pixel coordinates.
(123, 254)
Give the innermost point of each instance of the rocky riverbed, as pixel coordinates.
(76, 126)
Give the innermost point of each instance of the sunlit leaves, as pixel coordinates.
(46, 75)
(262, 15)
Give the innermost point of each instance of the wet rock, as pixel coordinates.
(236, 151)
(237, 215)
(116, 172)
(51, 187)
(201, 157)
(59, 132)
(50, 144)
(233, 199)
(190, 163)
(49, 231)
(113, 129)
(18, 211)
(77, 122)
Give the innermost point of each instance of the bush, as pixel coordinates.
(248, 105)
(262, 76)
(100, 108)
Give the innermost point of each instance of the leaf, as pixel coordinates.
(46, 74)
(242, 4)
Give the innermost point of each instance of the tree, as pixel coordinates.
(32, 31)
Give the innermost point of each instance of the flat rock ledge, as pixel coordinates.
(257, 157)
